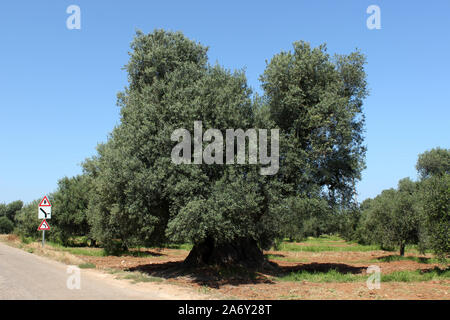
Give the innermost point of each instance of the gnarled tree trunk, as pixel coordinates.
(242, 252)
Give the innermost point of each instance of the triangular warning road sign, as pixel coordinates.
(44, 226)
(44, 202)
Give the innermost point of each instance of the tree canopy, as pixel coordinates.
(141, 197)
(433, 162)
(434, 170)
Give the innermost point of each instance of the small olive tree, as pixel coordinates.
(392, 218)
(434, 170)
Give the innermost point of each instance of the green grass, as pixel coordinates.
(325, 243)
(94, 252)
(100, 252)
(289, 246)
(414, 248)
(417, 275)
(135, 276)
(26, 240)
(204, 289)
(329, 276)
(410, 258)
(114, 271)
(86, 266)
(324, 238)
(396, 276)
(288, 259)
(179, 246)
(140, 277)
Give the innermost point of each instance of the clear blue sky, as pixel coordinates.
(58, 86)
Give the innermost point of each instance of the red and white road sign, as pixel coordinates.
(44, 202)
(45, 209)
(44, 226)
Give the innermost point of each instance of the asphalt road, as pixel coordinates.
(26, 276)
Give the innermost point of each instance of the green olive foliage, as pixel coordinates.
(6, 225)
(69, 208)
(11, 209)
(139, 197)
(392, 218)
(434, 170)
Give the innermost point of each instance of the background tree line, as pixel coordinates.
(417, 212)
(131, 194)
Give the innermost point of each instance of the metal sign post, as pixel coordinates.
(44, 226)
(44, 212)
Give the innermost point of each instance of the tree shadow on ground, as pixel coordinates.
(396, 257)
(437, 270)
(316, 267)
(143, 253)
(210, 276)
(215, 277)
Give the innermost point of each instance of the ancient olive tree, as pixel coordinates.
(229, 212)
